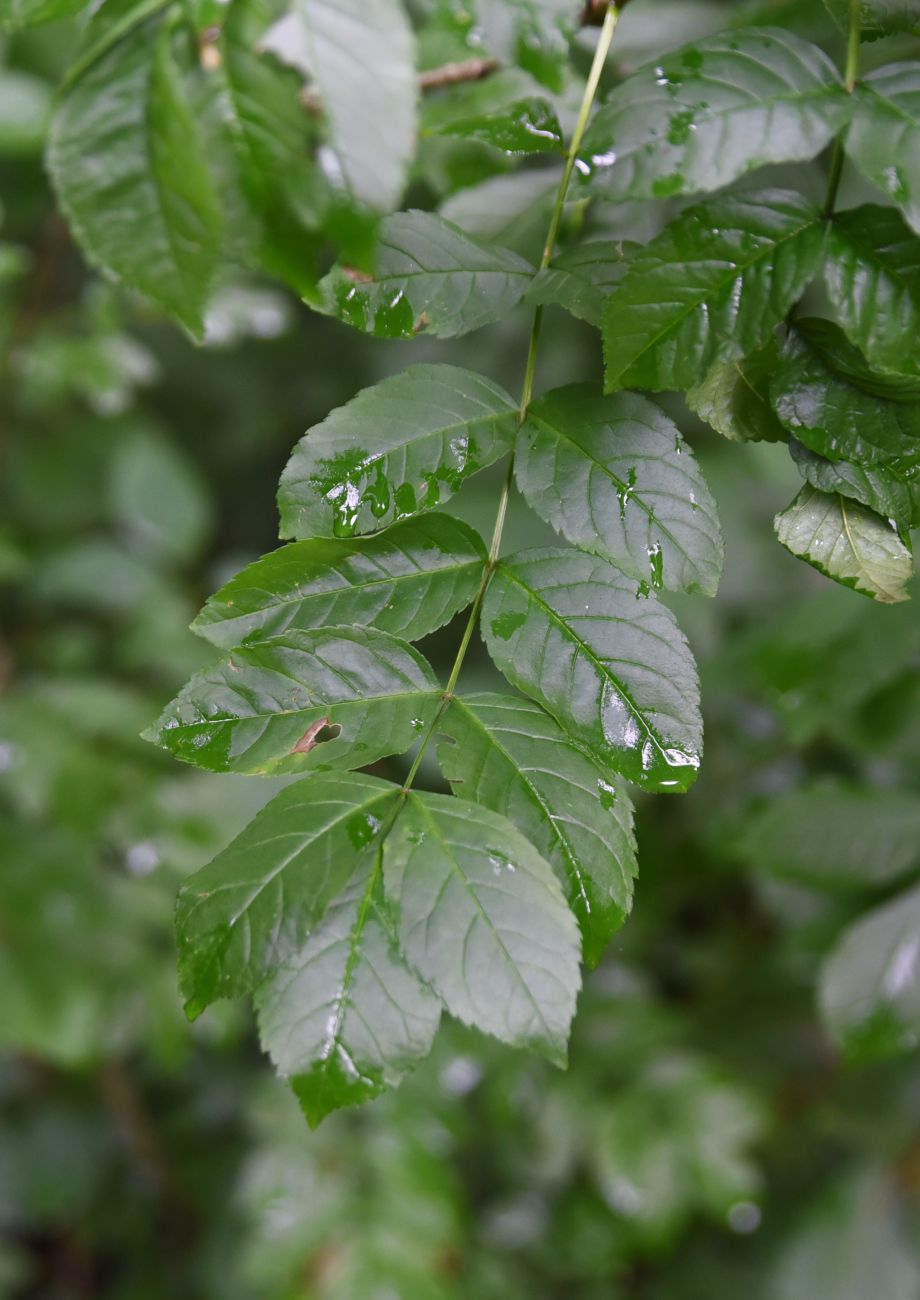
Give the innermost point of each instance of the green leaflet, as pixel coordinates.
(506, 753)
(371, 118)
(482, 918)
(835, 836)
(848, 543)
(407, 581)
(131, 175)
(430, 277)
(614, 476)
(734, 398)
(708, 113)
(344, 1017)
(710, 288)
(523, 127)
(332, 697)
(396, 449)
(838, 418)
(884, 136)
(580, 279)
(250, 910)
(872, 275)
(870, 990)
(272, 143)
(610, 665)
(877, 17)
(875, 486)
(157, 497)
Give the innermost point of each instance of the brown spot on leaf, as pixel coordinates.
(314, 735)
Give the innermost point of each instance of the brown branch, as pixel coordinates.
(451, 74)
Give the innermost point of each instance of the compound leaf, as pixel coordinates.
(406, 581)
(705, 114)
(506, 753)
(613, 668)
(614, 476)
(331, 697)
(482, 918)
(401, 447)
(711, 287)
(848, 543)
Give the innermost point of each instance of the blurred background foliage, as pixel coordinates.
(713, 1136)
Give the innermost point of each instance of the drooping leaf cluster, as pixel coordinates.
(354, 909)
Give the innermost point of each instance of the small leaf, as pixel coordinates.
(482, 918)
(870, 984)
(612, 667)
(848, 543)
(836, 418)
(875, 486)
(832, 837)
(581, 279)
(360, 58)
(706, 114)
(884, 135)
(877, 17)
(158, 497)
(524, 126)
(131, 175)
(253, 711)
(407, 581)
(614, 476)
(505, 753)
(344, 1017)
(872, 274)
(430, 276)
(251, 909)
(734, 398)
(401, 447)
(710, 288)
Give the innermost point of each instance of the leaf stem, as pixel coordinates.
(530, 369)
(850, 75)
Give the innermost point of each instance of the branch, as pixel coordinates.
(451, 74)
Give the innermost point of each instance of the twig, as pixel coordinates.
(451, 74)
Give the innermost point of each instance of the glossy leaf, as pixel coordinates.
(835, 417)
(505, 753)
(710, 288)
(706, 114)
(430, 277)
(870, 985)
(835, 836)
(580, 279)
(872, 274)
(333, 697)
(848, 543)
(131, 176)
(875, 486)
(360, 58)
(482, 918)
(523, 127)
(839, 354)
(408, 581)
(734, 398)
(343, 1017)
(884, 135)
(614, 476)
(610, 665)
(251, 909)
(396, 449)
(877, 17)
